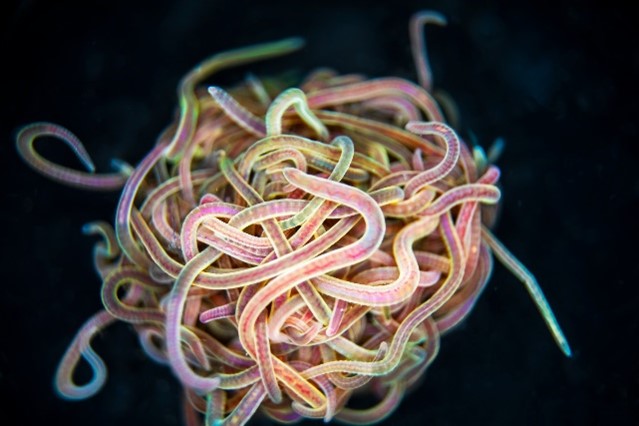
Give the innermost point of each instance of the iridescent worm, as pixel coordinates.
(282, 255)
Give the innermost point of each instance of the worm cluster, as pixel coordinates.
(284, 248)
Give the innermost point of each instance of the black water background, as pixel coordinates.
(557, 81)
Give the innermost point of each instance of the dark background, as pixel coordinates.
(558, 82)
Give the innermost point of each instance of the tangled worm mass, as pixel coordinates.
(282, 249)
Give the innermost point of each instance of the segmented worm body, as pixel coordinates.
(282, 249)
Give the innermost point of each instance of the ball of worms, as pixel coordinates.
(284, 248)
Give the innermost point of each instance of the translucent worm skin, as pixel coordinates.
(189, 105)
(443, 168)
(121, 311)
(296, 98)
(282, 256)
(398, 290)
(106, 253)
(27, 136)
(238, 113)
(418, 44)
(224, 311)
(533, 288)
(376, 88)
(175, 310)
(348, 151)
(81, 348)
(125, 206)
(276, 236)
(330, 261)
